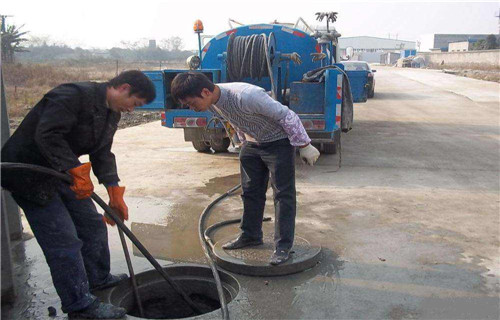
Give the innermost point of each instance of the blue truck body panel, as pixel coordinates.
(358, 80)
(307, 97)
(158, 81)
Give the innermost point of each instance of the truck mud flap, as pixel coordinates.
(347, 114)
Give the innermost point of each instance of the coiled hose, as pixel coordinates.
(246, 57)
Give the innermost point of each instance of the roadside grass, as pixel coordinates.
(26, 83)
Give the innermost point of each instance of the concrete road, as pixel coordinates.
(409, 221)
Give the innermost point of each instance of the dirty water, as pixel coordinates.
(172, 307)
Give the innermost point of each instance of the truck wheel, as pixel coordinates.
(200, 146)
(220, 145)
(372, 93)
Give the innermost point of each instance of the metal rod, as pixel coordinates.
(131, 272)
(199, 48)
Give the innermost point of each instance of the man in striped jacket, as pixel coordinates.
(270, 132)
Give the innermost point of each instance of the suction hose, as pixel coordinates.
(208, 245)
(208, 253)
(109, 212)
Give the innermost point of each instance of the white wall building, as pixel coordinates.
(459, 46)
(440, 42)
(370, 49)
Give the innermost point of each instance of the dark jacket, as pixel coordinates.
(71, 120)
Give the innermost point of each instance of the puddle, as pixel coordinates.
(171, 231)
(169, 242)
(219, 185)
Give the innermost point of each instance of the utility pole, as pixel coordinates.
(3, 19)
(498, 16)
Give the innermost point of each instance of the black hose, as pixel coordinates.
(246, 57)
(109, 212)
(208, 245)
(208, 253)
(221, 224)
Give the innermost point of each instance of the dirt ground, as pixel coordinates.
(487, 73)
(409, 224)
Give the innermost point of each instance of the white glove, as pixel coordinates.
(309, 154)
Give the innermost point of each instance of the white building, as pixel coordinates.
(459, 46)
(440, 42)
(370, 49)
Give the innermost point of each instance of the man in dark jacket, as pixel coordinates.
(72, 120)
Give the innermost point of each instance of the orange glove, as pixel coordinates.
(117, 203)
(82, 185)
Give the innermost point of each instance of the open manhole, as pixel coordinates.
(161, 301)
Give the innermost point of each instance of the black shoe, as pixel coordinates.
(99, 310)
(113, 281)
(242, 242)
(280, 256)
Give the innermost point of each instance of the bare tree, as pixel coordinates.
(172, 44)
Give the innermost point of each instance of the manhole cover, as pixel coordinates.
(254, 261)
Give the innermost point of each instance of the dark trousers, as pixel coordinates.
(74, 240)
(257, 161)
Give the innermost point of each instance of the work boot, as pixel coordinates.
(280, 256)
(99, 310)
(111, 282)
(242, 242)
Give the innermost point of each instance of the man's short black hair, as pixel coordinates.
(140, 84)
(190, 84)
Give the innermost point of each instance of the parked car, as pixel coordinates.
(363, 66)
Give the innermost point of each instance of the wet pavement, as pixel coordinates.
(408, 224)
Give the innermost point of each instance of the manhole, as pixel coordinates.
(254, 261)
(159, 299)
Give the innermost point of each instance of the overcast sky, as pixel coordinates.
(105, 23)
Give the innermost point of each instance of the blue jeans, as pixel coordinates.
(257, 162)
(74, 240)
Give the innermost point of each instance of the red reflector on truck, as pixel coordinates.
(182, 122)
(313, 124)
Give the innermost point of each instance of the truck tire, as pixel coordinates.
(220, 145)
(200, 146)
(372, 93)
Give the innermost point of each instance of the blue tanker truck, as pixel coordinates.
(298, 66)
